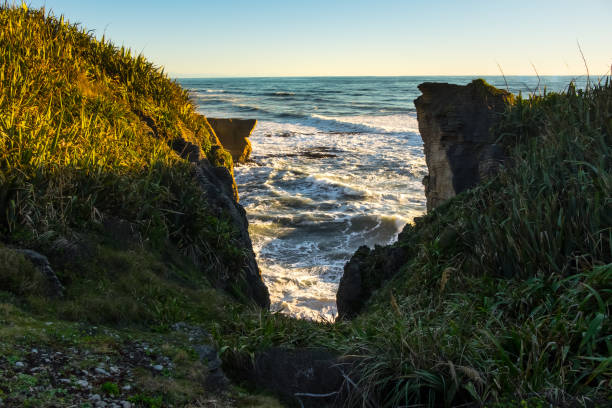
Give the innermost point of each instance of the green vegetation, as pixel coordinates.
(85, 135)
(505, 300)
(88, 177)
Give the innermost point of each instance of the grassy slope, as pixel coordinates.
(87, 177)
(506, 299)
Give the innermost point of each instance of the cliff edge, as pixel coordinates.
(455, 122)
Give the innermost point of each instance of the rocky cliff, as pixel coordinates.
(233, 135)
(454, 122)
(460, 150)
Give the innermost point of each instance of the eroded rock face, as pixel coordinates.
(217, 185)
(221, 194)
(454, 122)
(233, 135)
(366, 271)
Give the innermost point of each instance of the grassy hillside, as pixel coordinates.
(86, 131)
(89, 178)
(505, 300)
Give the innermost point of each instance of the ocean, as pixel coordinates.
(337, 163)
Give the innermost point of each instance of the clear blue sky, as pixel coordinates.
(354, 37)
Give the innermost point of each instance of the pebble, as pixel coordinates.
(65, 380)
(35, 351)
(126, 404)
(101, 371)
(95, 397)
(158, 367)
(126, 387)
(100, 404)
(82, 383)
(114, 369)
(19, 364)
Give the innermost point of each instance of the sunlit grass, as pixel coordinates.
(85, 133)
(506, 298)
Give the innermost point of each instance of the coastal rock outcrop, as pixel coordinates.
(221, 194)
(460, 150)
(233, 135)
(217, 184)
(364, 273)
(454, 122)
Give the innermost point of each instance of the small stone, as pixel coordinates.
(126, 404)
(65, 380)
(19, 364)
(101, 371)
(82, 383)
(95, 397)
(158, 367)
(35, 351)
(114, 370)
(100, 404)
(126, 387)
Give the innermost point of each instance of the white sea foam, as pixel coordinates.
(383, 123)
(308, 215)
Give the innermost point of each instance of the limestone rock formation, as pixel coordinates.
(454, 122)
(233, 135)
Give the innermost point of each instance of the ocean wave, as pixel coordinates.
(397, 123)
(280, 93)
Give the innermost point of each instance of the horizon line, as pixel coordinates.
(219, 76)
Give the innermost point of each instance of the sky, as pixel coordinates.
(241, 38)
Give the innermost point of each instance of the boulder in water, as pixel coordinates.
(233, 135)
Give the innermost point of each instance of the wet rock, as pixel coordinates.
(233, 135)
(455, 122)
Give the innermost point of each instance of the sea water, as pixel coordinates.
(337, 163)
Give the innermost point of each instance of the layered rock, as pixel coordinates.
(460, 150)
(233, 135)
(455, 122)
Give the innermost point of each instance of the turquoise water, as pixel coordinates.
(337, 163)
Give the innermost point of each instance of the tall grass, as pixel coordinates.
(506, 301)
(85, 134)
(516, 306)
